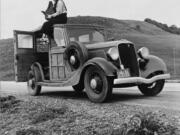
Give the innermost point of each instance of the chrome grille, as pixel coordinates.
(128, 58)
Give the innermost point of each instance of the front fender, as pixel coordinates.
(108, 68)
(154, 64)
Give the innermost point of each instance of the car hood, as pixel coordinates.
(107, 44)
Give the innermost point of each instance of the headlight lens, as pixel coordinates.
(113, 53)
(143, 52)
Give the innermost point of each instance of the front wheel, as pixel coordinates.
(98, 86)
(152, 89)
(34, 76)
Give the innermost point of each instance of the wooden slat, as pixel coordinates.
(54, 59)
(60, 60)
(61, 73)
(54, 73)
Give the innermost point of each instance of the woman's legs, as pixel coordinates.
(47, 27)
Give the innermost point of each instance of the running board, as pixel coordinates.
(54, 84)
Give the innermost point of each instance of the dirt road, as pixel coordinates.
(169, 98)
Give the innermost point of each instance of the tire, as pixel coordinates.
(34, 76)
(154, 88)
(78, 88)
(75, 56)
(98, 86)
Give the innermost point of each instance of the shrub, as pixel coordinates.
(150, 123)
(42, 113)
(8, 104)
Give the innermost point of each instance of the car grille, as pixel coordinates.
(128, 58)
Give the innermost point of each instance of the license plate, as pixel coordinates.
(123, 73)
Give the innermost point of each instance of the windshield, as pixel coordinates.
(86, 35)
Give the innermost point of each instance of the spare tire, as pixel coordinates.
(75, 55)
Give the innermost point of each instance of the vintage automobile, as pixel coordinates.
(81, 56)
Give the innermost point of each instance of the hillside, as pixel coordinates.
(6, 59)
(159, 42)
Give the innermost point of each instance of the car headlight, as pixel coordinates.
(113, 53)
(143, 52)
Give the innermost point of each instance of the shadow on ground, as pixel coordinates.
(116, 96)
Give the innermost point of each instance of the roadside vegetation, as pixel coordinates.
(171, 29)
(34, 117)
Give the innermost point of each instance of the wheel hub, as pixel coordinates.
(31, 83)
(73, 60)
(93, 83)
(96, 84)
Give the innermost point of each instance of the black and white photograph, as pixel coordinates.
(89, 67)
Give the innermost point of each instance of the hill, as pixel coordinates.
(172, 29)
(160, 42)
(6, 59)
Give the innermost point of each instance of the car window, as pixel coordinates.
(85, 35)
(25, 41)
(84, 38)
(97, 36)
(59, 37)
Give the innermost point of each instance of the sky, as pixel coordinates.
(26, 14)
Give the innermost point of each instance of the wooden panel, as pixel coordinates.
(67, 73)
(55, 73)
(54, 60)
(57, 50)
(60, 60)
(61, 73)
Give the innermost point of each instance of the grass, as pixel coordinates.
(35, 117)
(9, 104)
(149, 123)
(45, 114)
(30, 131)
(160, 43)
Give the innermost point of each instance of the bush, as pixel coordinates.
(30, 131)
(172, 29)
(8, 104)
(149, 124)
(42, 113)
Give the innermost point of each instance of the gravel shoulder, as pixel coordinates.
(65, 112)
(54, 115)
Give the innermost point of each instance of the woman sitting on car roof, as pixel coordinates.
(55, 14)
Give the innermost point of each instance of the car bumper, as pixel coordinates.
(140, 80)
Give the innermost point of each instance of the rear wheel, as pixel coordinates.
(98, 86)
(152, 89)
(34, 76)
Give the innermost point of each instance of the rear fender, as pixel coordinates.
(38, 65)
(154, 64)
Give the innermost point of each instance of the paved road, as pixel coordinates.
(169, 97)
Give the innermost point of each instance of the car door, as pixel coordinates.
(58, 71)
(24, 54)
